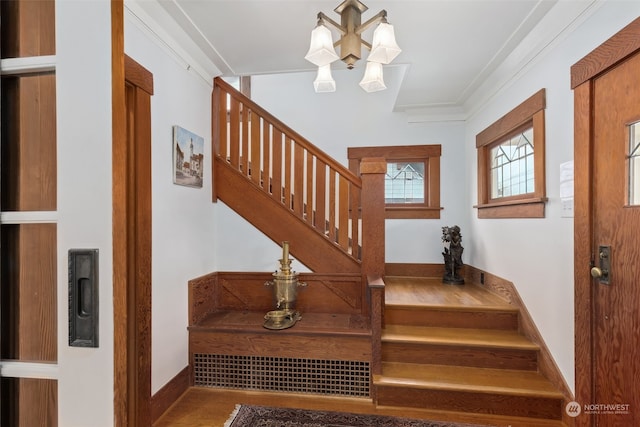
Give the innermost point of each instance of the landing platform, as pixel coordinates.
(430, 291)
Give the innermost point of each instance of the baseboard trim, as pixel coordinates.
(167, 395)
(414, 270)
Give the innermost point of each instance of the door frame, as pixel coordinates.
(619, 47)
(132, 87)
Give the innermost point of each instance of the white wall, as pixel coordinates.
(83, 86)
(183, 217)
(346, 118)
(191, 236)
(537, 254)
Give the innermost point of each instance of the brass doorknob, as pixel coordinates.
(596, 272)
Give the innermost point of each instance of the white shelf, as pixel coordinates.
(27, 65)
(29, 217)
(43, 370)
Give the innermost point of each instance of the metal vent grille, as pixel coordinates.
(335, 377)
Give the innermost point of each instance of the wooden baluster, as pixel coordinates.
(256, 172)
(298, 180)
(321, 196)
(343, 213)
(217, 133)
(234, 133)
(332, 205)
(287, 173)
(221, 128)
(354, 218)
(311, 182)
(276, 179)
(266, 156)
(244, 154)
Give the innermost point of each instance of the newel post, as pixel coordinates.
(372, 171)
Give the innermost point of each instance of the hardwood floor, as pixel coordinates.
(421, 291)
(201, 406)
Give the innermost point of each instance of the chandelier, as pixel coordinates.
(383, 48)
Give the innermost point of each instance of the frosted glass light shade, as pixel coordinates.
(321, 51)
(384, 48)
(373, 80)
(324, 81)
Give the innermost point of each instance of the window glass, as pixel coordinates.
(512, 171)
(634, 164)
(404, 182)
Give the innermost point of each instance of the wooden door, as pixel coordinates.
(616, 224)
(28, 216)
(608, 218)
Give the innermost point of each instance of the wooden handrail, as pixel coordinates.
(291, 170)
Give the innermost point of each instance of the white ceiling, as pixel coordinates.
(450, 47)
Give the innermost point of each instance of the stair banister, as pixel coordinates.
(225, 88)
(315, 188)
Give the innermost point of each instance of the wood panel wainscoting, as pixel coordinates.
(332, 305)
(227, 312)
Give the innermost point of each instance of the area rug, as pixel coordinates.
(262, 416)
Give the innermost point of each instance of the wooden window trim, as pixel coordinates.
(531, 205)
(430, 154)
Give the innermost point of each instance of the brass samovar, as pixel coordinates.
(285, 289)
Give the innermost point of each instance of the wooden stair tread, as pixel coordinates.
(488, 419)
(488, 338)
(431, 292)
(451, 307)
(466, 379)
(310, 323)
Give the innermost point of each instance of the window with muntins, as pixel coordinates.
(412, 180)
(404, 182)
(511, 170)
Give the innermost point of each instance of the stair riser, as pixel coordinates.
(479, 357)
(472, 319)
(470, 402)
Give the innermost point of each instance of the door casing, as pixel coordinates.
(132, 87)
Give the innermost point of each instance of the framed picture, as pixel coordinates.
(188, 158)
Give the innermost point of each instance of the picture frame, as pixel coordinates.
(188, 158)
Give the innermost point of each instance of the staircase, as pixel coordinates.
(439, 347)
(457, 348)
(291, 190)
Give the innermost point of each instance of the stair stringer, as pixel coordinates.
(307, 245)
